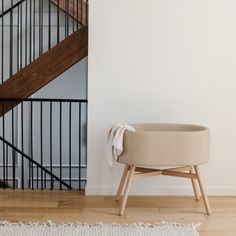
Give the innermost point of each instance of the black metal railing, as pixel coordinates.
(43, 144)
(29, 28)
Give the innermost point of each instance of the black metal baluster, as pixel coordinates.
(45, 180)
(41, 140)
(67, 17)
(70, 146)
(11, 42)
(7, 165)
(49, 25)
(86, 128)
(60, 143)
(3, 146)
(87, 13)
(22, 145)
(34, 47)
(21, 37)
(31, 144)
(18, 38)
(6, 151)
(13, 143)
(51, 143)
(73, 14)
(42, 28)
(37, 179)
(2, 45)
(58, 22)
(26, 31)
(66, 12)
(30, 33)
(77, 15)
(81, 11)
(39, 27)
(29, 180)
(80, 145)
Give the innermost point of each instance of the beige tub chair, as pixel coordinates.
(181, 147)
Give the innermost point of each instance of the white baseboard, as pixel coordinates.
(162, 190)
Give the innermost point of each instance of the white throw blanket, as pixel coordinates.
(114, 146)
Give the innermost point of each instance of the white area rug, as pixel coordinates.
(78, 229)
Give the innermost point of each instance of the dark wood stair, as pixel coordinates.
(45, 69)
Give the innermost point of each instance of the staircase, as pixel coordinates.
(44, 39)
(38, 72)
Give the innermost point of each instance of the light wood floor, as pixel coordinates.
(73, 206)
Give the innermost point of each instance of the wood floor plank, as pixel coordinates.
(73, 206)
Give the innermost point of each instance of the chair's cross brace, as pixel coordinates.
(149, 173)
(141, 172)
(179, 174)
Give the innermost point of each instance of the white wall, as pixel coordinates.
(163, 61)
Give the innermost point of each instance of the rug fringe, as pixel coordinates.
(49, 223)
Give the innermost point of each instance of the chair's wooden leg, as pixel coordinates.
(122, 182)
(195, 188)
(126, 191)
(204, 196)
